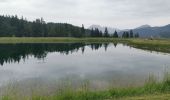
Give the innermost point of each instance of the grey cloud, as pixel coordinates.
(105, 12)
(141, 7)
(2, 1)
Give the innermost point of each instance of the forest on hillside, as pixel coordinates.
(13, 26)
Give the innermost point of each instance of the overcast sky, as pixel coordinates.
(114, 13)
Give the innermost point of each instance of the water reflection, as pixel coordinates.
(100, 64)
(12, 53)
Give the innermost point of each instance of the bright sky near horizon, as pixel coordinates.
(120, 14)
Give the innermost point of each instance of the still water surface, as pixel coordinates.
(100, 64)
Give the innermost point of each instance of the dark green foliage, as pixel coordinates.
(12, 26)
(92, 33)
(106, 33)
(115, 35)
(131, 34)
(83, 31)
(136, 35)
(100, 34)
(96, 33)
(125, 35)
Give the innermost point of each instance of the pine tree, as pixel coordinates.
(125, 35)
(106, 34)
(136, 35)
(100, 34)
(92, 32)
(82, 30)
(115, 35)
(131, 34)
(97, 32)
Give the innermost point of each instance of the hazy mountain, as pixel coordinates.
(143, 26)
(102, 28)
(148, 31)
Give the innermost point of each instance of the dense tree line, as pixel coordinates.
(130, 34)
(12, 26)
(97, 33)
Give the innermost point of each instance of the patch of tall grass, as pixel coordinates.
(151, 86)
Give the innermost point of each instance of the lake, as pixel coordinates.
(101, 65)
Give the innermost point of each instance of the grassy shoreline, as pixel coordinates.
(84, 40)
(56, 40)
(152, 89)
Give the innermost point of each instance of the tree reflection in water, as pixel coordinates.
(12, 53)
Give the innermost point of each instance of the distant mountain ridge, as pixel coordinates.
(162, 31)
(143, 26)
(144, 31)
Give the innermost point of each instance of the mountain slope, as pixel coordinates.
(163, 31)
